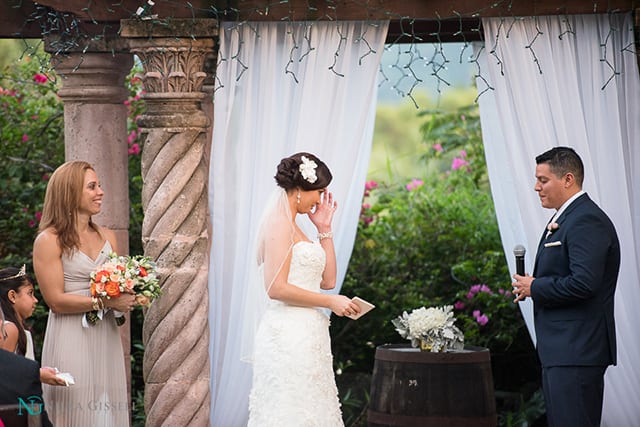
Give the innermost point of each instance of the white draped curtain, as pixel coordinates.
(282, 88)
(571, 81)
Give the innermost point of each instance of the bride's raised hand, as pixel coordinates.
(322, 216)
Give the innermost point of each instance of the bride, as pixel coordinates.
(293, 381)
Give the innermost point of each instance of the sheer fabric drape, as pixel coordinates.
(282, 88)
(584, 94)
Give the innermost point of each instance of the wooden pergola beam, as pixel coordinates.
(411, 20)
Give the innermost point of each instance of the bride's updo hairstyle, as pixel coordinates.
(303, 170)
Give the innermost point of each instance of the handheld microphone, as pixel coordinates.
(518, 252)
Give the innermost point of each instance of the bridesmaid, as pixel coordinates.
(68, 248)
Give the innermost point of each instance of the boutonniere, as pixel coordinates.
(551, 227)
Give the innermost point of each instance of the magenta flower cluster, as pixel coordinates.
(415, 183)
(481, 318)
(40, 78)
(368, 186)
(33, 222)
(459, 161)
(132, 138)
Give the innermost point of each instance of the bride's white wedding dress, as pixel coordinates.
(293, 380)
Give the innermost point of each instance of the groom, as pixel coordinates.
(572, 288)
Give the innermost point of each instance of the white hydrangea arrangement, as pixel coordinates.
(430, 328)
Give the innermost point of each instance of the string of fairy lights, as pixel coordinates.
(403, 76)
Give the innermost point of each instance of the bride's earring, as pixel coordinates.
(298, 196)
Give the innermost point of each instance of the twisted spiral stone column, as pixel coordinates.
(174, 230)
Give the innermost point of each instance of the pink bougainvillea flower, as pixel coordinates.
(459, 305)
(40, 78)
(415, 183)
(38, 215)
(485, 288)
(132, 137)
(437, 147)
(32, 223)
(457, 163)
(370, 185)
(463, 153)
(134, 149)
(25, 137)
(482, 320)
(45, 177)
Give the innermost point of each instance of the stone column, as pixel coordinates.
(174, 232)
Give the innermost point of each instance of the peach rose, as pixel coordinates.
(143, 300)
(113, 289)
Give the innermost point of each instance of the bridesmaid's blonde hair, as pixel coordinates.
(61, 201)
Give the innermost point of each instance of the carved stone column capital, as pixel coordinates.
(175, 227)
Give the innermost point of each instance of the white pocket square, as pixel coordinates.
(551, 244)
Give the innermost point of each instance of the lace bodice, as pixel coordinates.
(307, 264)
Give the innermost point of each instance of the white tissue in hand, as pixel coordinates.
(66, 377)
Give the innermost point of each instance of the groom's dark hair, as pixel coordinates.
(563, 160)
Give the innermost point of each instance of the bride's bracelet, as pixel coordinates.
(327, 235)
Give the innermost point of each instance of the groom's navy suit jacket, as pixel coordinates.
(576, 270)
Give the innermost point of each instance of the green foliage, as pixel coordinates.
(407, 243)
(398, 150)
(31, 141)
(135, 108)
(431, 242)
(527, 414)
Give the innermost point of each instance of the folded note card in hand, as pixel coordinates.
(365, 307)
(67, 378)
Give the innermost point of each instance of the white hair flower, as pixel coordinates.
(308, 170)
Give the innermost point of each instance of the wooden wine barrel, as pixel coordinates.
(410, 387)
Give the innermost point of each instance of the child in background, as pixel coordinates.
(17, 301)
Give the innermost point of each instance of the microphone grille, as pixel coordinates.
(519, 250)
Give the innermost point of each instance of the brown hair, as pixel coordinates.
(61, 201)
(12, 279)
(288, 175)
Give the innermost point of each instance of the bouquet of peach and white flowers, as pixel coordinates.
(122, 274)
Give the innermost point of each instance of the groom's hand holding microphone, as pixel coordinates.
(522, 284)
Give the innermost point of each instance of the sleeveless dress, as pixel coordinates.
(30, 350)
(293, 380)
(93, 355)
